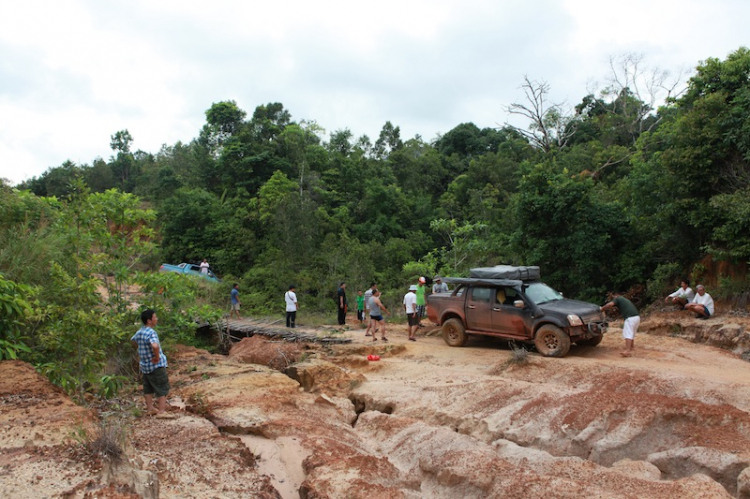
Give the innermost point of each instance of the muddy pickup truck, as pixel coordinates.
(512, 303)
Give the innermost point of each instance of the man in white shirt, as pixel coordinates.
(682, 296)
(204, 267)
(291, 306)
(702, 304)
(410, 306)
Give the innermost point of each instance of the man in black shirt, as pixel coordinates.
(341, 303)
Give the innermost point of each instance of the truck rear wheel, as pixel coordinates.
(551, 341)
(591, 342)
(454, 333)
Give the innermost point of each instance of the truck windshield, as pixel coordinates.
(541, 293)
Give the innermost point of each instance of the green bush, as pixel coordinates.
(664, 280)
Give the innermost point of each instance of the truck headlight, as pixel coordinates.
(574, 320)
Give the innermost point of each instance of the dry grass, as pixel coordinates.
(519, 357)
(107, 441)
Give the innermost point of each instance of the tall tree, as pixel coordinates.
(552, 125)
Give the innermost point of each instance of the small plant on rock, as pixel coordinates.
(104, 442)
(199, 404)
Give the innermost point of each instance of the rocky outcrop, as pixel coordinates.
(315, 375)
(724, 467)
(743, 484)
(638, 469)
(716, 331)
(122, 475)
(258, 350)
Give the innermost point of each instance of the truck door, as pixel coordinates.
(479, 308)
(506, 318)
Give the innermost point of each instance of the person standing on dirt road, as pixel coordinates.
(341, 303)
(368, 294)
(153, 364)
(376, 313)
(360, 307)
(291, 306)
(632, 320)
(421, 301)
(410, 306)
(234, 298)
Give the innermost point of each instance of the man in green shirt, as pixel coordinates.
(421, 302)
(631, 320)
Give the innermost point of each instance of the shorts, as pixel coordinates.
(156, 382)
(420, 311)
(413, 319)
(706, 312)
(377, 318)
(630, 327)
(235, 306)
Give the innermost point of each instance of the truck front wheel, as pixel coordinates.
(551, 341)
(454, 333)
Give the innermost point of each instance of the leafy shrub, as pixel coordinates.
(109, 386)
(734, 291)
(662, 281)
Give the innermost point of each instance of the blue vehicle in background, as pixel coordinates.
(189, 269)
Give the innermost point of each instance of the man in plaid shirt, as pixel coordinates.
(153, 364)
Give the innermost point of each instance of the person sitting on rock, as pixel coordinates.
(682, 296)
(702, 304)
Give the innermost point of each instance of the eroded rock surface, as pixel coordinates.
(315, 375)
(426, 420)
(259, 350)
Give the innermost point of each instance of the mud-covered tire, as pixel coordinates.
(551, 341)
(454, 333)
(591, 342)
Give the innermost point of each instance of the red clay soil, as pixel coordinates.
(427, 420)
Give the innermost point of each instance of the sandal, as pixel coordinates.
(384, 338)
(374, 339)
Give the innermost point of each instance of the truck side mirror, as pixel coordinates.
(519, 304)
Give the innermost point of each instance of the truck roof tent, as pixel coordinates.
(506, 272)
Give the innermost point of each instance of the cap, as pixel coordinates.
(437, 278)
(413, 287)
(422, 280)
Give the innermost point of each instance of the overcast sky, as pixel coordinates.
(73, 72)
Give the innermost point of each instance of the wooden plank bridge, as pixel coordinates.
(234, 330)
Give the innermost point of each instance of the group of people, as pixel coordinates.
(366, 306)
(414, 303)
(698, 302)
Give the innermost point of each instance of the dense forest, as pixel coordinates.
(623, 190)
